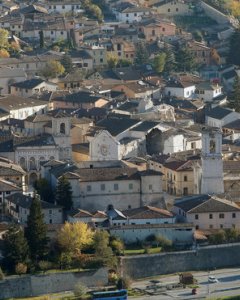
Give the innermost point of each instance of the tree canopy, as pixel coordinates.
(53, 69)
(185, 60)
(159, 62)
(233, 54)
(16, 247)
(75, 237)
(64, 193)
(36, 231)
(141, 55)
(44, 190)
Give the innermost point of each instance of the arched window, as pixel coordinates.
(62, 128)
(22, 162)
(32, 163)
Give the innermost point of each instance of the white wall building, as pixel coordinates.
(207, 212)
(18, 207)
(179, 89)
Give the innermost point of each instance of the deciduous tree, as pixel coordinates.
(73, 238)
(159, 62)
(67, 63)
(52, 69)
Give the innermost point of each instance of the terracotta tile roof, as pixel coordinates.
(147, 212)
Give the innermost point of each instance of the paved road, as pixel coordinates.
(228, 285)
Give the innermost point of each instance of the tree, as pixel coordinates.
(52, 69)
(44, 190)
(41, 39)
(170, 61)
(159, 62)
(4, 38)
(16, 248)
(102, 248)
(117, 245)
(185, 60)
(112, 60)
(36, 231)
(233, 54)
(95, 12)
(73, 238)
(235, 97)
(67, 63)
(141, 55)
(64, 193)
(163, 242)
(123, 283)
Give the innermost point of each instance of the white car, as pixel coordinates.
(212, 279)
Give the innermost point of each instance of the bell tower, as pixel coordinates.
(212, 164)
(61, 126)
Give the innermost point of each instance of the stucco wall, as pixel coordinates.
(25, 286)
(205, 258)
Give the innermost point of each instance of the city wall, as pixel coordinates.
(34, 285)
(207, 258)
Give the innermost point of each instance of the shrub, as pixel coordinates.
(44, 265)
(80, 290)
(123, 283)
(21, 269)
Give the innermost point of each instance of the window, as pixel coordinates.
(8, 192)
(185, 178)
(85, 65)
(63, 6)
(89, 188)
(115, 186)
(135, 14)
(163, 29)
(153, 32)
(50, 211)
(196, 217)
(211, 226)
(176, 9)
(102, 187)
(130, 186)
(221, 216)
(150, 187)
(233, 226)
(101, 60)
(185, 191)
(50, 221)
(210, 216)
(221, 225)
(61, 32)
(233, 215)
(129, 206)
(127, 15)
(197, 227)
(169, 10)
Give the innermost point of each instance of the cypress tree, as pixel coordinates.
(36, 231)
(141, 56)
(64, 193)
(235, 97)
(66, 61)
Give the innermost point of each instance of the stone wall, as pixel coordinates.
(34, 285)
(166, 263)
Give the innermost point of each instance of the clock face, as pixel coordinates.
(104, 150)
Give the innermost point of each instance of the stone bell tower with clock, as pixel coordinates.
(212, 164)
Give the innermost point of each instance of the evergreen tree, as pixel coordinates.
(36, 231)
(170, 62)
(185, 60)
(44, 190)
(141, 55)
(235, 97)
(41, 39)
(16, 247)
(66, 62)
(64, 193)
(233, 54)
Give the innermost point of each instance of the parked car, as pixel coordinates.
(212, 279)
